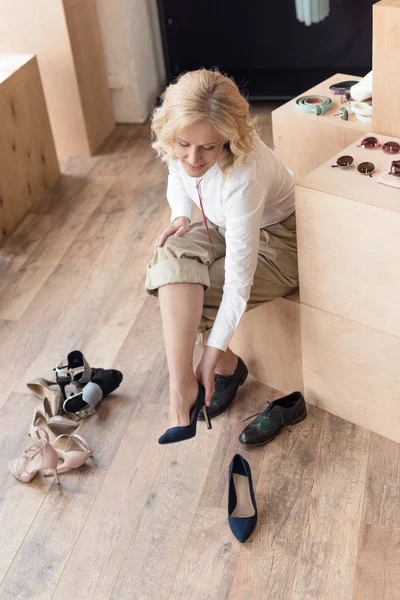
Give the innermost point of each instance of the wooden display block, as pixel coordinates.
(351, 371)
(349, 248)
(386, 67)
(268, 340)
(304, 141)
(29, 165)
(65, 36)
(349, 242)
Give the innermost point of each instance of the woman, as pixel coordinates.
(244, 253)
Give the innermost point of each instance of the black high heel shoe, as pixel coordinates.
(242, 507)
(185, 432)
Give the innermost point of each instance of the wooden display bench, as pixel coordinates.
(304, 141)
(348, 228)
(65, 37)
(29, 165)
(268, 340)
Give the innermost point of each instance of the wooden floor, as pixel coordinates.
(142, 521)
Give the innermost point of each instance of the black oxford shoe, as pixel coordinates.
(226, 387)
(280, 413)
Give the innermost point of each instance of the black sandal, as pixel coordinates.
(103, 383)
(83, 386)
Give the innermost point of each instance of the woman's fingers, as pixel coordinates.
(181, 231)
(164, 235)
(209, 387)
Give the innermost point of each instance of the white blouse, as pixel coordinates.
(243, 201)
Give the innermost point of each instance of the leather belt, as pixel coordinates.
(314, 104)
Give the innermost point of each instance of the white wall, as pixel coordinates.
(133, 51)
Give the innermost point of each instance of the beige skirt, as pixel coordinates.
(193, 259)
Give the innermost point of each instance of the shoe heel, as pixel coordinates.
(56, 477)
(206, 417)
(244, 377)
(298, 419)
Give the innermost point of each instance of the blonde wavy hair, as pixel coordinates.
(199, 96)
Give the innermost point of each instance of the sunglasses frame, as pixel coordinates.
(395, 163)
(351, 163)
(371, 145)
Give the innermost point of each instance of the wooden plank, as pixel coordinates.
(27, 153)
(113, 416)
(382, 492)
(267, 567)
(209, 558)
(54, 246)
(41, 558)
(15, 418)
(6, 327)
(351, 370)
(345, 268)
(326, 560)
(150, 564)
(211, 552)
(19, 505)
(27, 337)
(111, 523)
(378, 574)
(107, 295)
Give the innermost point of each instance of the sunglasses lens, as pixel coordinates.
(369, 142)
(366, 168)
(391, 147)
(395, 168)
(345, 161)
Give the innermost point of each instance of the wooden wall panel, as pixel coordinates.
(29, 165)
(268, 340)
(386, 67)
(349, 256)
(66, 39)
(352, 371)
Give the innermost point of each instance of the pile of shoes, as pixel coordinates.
(73, 396)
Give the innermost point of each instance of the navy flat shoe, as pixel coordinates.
(242, 508)
(185, 432)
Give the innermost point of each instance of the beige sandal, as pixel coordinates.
(38, 457)
(49, 411)
(71, 459)
(43, 388)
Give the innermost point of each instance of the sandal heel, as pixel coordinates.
(206, 417)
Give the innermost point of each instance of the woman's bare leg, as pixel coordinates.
(181, 307)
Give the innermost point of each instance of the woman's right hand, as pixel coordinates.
(178, 228)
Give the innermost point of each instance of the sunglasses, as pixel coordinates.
(342, 87)
(365, 168)
(395, 168)
(372, 142)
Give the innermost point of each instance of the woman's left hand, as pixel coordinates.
(205, 370)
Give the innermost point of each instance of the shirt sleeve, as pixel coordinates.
(244, 210)
(177, 196)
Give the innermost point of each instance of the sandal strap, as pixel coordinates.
(79, 440)
(92, 394)
(36, 429)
